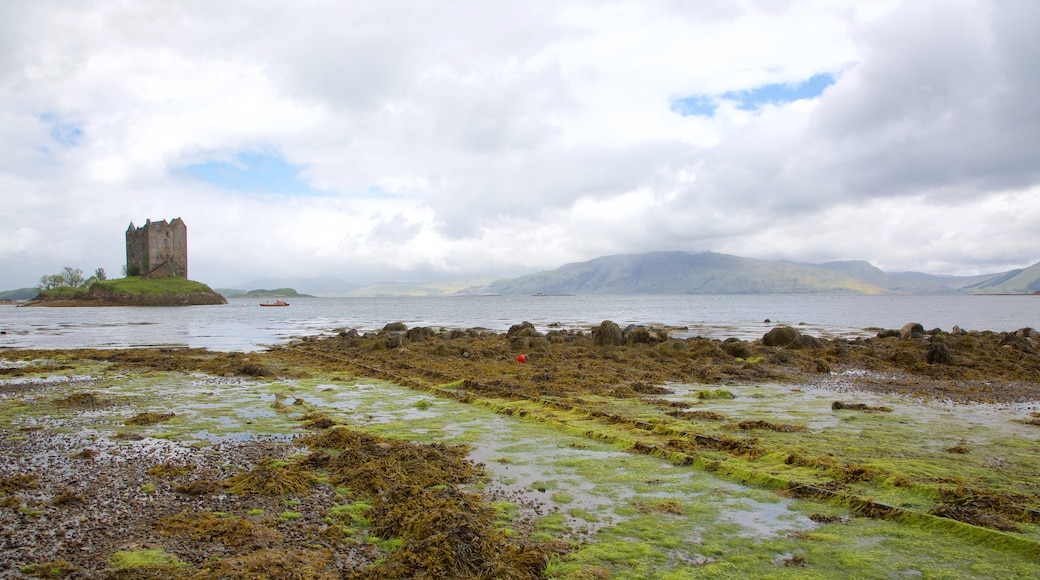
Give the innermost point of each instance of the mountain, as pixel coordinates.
(712, 273)
(907, 282)
(1022, 281)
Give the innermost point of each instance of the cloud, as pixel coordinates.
(419, 139)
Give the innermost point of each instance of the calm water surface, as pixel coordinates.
(243, 325)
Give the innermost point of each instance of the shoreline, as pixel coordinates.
(875, 429)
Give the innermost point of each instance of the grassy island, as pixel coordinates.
(131, 291)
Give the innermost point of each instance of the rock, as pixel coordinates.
(939, 354)
(1027, 332)
(1018, 341)
(420, 333)
(395, 327)
(888, 334)
(525, 329)
(807, 341)
(643, 335)
(608, 333)
(737, 348)
(780, 336)
(911, 330)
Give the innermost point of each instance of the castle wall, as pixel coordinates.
(157, 249)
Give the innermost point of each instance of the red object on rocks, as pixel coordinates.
(521, 358)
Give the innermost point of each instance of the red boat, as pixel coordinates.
(275, 303)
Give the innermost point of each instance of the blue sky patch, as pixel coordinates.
(260, 172)
(780, 93)
(750, 100)
(64, 133)
(700, 106)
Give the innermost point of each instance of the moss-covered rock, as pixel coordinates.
(781, 336)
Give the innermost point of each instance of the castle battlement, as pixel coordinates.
(157, 249)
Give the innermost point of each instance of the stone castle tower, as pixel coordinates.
(157, 249)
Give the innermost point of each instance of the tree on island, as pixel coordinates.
(70, 277)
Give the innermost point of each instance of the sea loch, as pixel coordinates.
(242, 325)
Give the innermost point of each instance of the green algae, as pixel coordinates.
(150, 558)
(55, 569)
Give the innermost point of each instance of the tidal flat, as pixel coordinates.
(428, 453)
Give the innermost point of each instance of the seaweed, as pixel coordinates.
(714, 394)
(271, 477)
(447, 533)
(87, 400)
(705, 415)
(169, 470)
(670, 506)
(294, 563)
(149, 418)
(198, 487)
(238, 534)
(19, 482)
(840, 405)
(778, 427)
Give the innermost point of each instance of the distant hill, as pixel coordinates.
(19, 294)
(1023, 281)
(907, 282)
(436, 288)
(276, 293)
(712, 273)
(311, 286)
(331, 287)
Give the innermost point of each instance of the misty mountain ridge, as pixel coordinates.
(678, 272)
(711, 273)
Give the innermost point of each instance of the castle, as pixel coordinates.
(157, 249)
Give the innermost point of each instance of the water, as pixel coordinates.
(243, 326)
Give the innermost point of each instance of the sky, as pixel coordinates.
(413, 140)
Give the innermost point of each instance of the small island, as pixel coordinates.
(131, 291)
(157, 274)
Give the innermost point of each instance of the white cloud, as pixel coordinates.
(501, 137)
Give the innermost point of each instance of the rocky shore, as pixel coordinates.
(106, 477)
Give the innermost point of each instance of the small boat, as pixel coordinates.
(275, 303)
